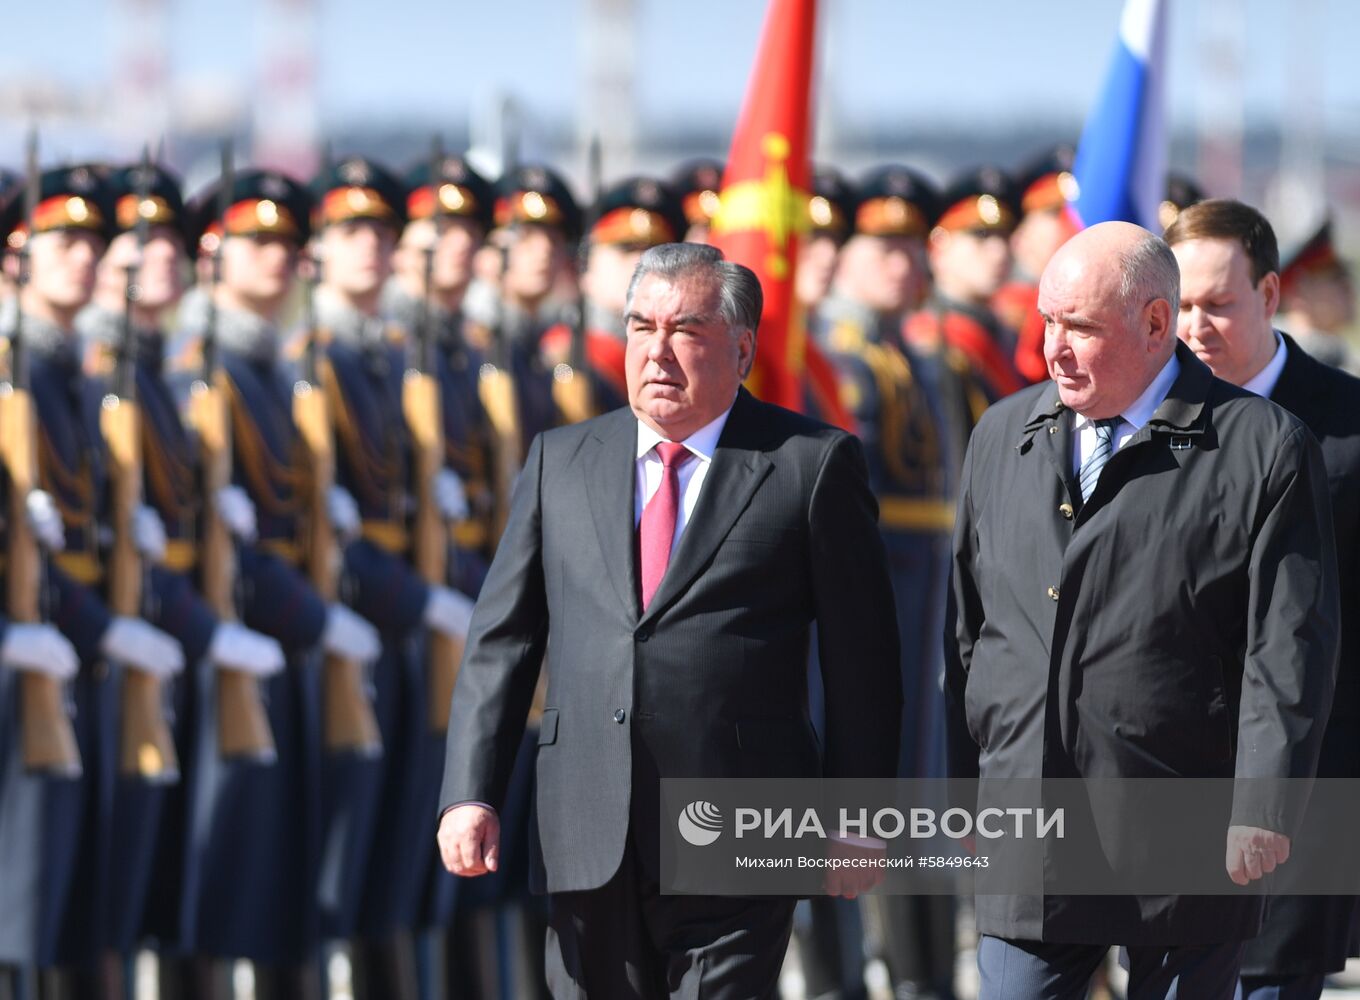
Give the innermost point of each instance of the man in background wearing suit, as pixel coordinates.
(670, 559)
(1230, 289)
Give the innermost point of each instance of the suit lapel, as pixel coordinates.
(739, 465)
(609, 483)
(1293, 390)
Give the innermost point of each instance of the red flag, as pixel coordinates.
(764, 212)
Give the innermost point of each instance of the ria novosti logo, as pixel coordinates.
(700, 823)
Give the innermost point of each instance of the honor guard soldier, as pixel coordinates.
(140, 280)
(58, 841)
(970, 259)
(447, 224)
(1045, 189)
(891, 394)
(828, 930)
(1317, 299)
(536, 222)
(831, 213)
(449, 212)
(631, 216)
(250, 814)
(882, 272)
(698, 184)
(359, 214)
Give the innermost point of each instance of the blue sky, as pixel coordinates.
(887, 63)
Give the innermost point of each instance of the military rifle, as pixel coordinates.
(49, 740)
(242, 723)
(421, 401)
(348, 722)
(148, 750)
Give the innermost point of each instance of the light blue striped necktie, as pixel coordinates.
(1090, 469)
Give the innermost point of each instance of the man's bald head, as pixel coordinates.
(1140, 262)
(1109, 298)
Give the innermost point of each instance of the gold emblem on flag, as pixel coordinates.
(771, 204)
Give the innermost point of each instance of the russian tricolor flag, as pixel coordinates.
(1120, 167)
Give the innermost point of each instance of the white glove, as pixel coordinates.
(134, 643)
(343, 511)
(449, 496)
(449, 612)
(44, 520)
(38, 648)
(237, 512)
(236, 647)
(350, 636)
(148, 533)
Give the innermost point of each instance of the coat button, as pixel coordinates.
(1053, 430)
(620, 715)
(642, 634)
(1053, 593)
(1065, 509)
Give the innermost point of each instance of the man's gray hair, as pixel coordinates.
(1150, 272)
(742, 299)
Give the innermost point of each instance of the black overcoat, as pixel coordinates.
(1182, 622)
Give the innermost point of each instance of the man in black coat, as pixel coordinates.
(1230, 288)
(670, 559)
(1145, 587)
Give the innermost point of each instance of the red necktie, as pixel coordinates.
(657, 530)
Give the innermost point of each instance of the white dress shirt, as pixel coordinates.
(1132, 419)
(701, 445)
(1263, 382)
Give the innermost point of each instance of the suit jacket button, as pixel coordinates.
(620, 715)
(642, 634)
(1065, 509)
(1053, 593)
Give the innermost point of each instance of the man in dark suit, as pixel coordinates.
(670, 559)
(1145, 583)
(1230, 288)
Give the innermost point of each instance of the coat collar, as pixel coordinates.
(1182, 411)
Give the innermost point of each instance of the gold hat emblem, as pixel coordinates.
(357, 199)
(451, 198)
(640, 222)
(988, 210)
(77, 210)
(534, 205)
(820, 210)
(267, 213)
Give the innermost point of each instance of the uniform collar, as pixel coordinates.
(44, 339)
(345, 323)
(99, 325)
